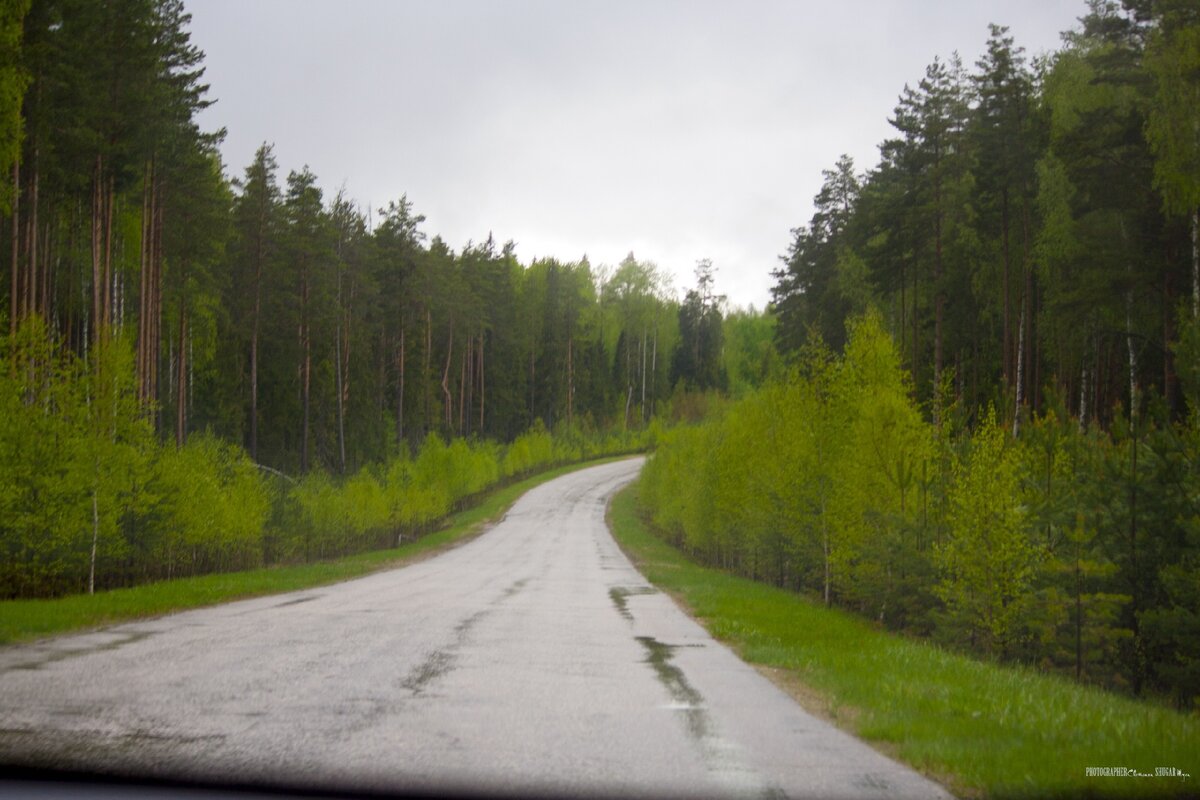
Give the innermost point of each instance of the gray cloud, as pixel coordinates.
(677, 130)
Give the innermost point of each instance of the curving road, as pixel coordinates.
(532, 660)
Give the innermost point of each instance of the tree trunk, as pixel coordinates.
(903, 310)
(462, 384)
(400, 391)
(95, 542)
(643, 375)
(826, 551)
(1195, 263)
(305, 372)
(16, 243)
(425, 375)
(97, 276)
(143, 283)
(482, 384)
(915, 344)
(1168, 334)
(1078, 607)
(156, 291)
(337, 370)
(1006, 358)
(654, 370)
(109, 199)
(181, 379)
(938, 310)
(449, 404)
(1019, 371)
(1083, 409)
(255, 324)
(32, 242)
(1132, 355)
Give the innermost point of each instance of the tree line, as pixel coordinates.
(1031, 229)
(267, 332)
(305, 328)
(1069, 548)
(989, 431)
(92, 498)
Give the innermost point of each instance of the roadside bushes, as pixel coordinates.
(1072, 549)
(91, 499)
(324, 517)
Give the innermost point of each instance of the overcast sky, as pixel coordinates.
(675, 130)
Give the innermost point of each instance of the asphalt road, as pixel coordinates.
(531, 660)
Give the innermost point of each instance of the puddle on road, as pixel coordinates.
(620, 597)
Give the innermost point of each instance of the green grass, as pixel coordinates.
(24, 620)
(984, 730)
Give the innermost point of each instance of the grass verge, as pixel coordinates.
(982, 729)
(24, 620)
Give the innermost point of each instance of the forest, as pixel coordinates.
(204, 373)
(989, 431)
(971, 413)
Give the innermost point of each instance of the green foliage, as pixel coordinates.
(29, 619)
(1014, 228)
(90, 498)
(1173, 59)
(800, 483)
(13, 81)
(1061, 548)
(988, 561)
(983, 729)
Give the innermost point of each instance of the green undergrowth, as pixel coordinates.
(24, 620)
(983, 729)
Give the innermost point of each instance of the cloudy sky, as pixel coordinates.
(675, 130)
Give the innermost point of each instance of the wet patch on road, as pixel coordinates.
(137, 752)
(437, 664)
(720, 756)
(620, 597)
(441, 661)
(52, 654)
(687, 699)
(296, 602)
(512, 590)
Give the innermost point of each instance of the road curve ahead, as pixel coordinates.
(533, 660)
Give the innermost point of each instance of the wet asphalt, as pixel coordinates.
(533, 660)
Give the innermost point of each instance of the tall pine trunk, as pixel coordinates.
(255, 325)
(339, 387)
(483, 385)
(400, 389)
(1019, 371)
(32, 243)
(1196, 264)
(449, 404)
(305, 372)
(1006, 342)
(938, 310)
(16, 246)
(181, 382)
